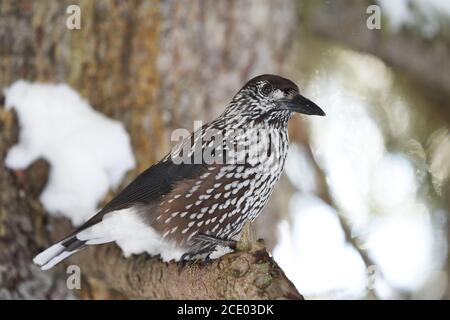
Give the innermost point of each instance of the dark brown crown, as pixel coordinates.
(277, 82)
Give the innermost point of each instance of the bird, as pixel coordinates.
(194, 202)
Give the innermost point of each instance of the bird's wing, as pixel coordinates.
(155, 182)
(148, 187)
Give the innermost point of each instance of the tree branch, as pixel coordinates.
(251, 274)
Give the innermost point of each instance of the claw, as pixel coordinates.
(206, 260)
(182, 262)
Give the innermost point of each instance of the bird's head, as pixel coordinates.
(271, 97)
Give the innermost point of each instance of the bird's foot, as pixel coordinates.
(194, 257)
(217, 241)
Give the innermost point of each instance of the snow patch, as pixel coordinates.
(88, 152)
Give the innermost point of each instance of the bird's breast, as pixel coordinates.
(224, 195)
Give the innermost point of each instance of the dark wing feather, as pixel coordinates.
(148, 187)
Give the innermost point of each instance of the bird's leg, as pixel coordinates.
(210, 240)
(217, 241)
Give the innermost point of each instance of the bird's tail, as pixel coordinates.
(86, 235)
(58, 252)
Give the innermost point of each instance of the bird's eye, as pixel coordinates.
(266, 89)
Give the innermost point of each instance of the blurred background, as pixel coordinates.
(362, 211)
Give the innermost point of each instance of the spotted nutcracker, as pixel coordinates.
(194, 202)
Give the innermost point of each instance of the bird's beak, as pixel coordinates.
(300, 104)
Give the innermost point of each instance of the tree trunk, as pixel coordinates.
(155, 66)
